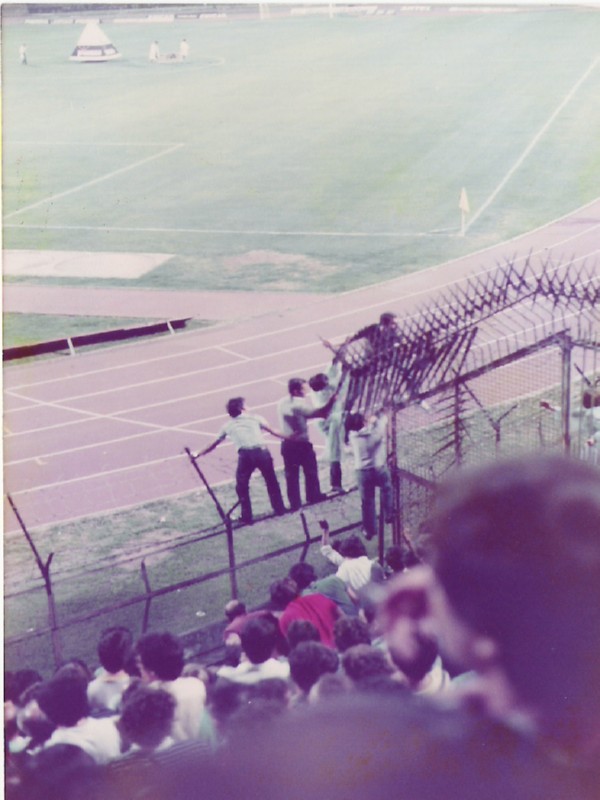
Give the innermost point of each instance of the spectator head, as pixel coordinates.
(114, 648)
(310, 660)
(352, 547)
(387, 319)
(260, 636)
(394, 558)
(234, 608)
(159, 657)
(283, 592)
(30, 719)
(15, 683)
(63, 699)
(363, 661)
(75, 666)
(403, 614)
(61, 772)
(297, 387)
(303, 574)
(147, 716)
(302, 630)
(318, 382)
(349, 631)
(517, 570)
(235, 406)
(355, 422)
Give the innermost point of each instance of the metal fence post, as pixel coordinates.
(45, 571)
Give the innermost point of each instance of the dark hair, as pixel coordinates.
(517, 551)
(310, 660)
(352, 547)
(363, 661)
(114, 648)
(147, 716)
(303, 574)
(348, 631)
(302, 630)
(15, 683)
(318, 382)
(235, 406)
(61, 772)
(63, 699)
(283, 592)
(161, 653)
(394, 558)
(294, 384)
(387, 318)
(234, 608)
(355, 421)
(259, 637)
(75, 666)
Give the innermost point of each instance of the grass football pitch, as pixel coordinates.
(306, 153)
(344, 142)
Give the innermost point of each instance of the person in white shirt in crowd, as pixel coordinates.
(154, 51)
(105, 691)
(354, 567)
(159, 657)
(260, 661)
(368, 443)
(246, 432)
(63, 699)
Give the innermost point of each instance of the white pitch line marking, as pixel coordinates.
(566, 99)
(226, 231)
(93, 182)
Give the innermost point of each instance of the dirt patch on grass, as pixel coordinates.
(283, 271)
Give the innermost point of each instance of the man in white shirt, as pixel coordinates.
(245, 431)
(368, 443)
(295, 411)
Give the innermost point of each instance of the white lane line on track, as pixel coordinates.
(93, 182)
(186, 427)
(14, 391)
(165, 459)
(566, 99)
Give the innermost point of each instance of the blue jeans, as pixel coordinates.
(368, 480)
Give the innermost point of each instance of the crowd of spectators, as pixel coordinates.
(475, 674)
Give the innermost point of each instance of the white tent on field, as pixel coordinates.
(94, 45)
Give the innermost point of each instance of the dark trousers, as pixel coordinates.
(248, 460)
(297, 456)
(368, 481)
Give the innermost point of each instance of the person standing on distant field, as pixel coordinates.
(154, 52)
(245, 431)
(23, 54)
(184, 49)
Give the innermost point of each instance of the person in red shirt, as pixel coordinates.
(316, 608)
